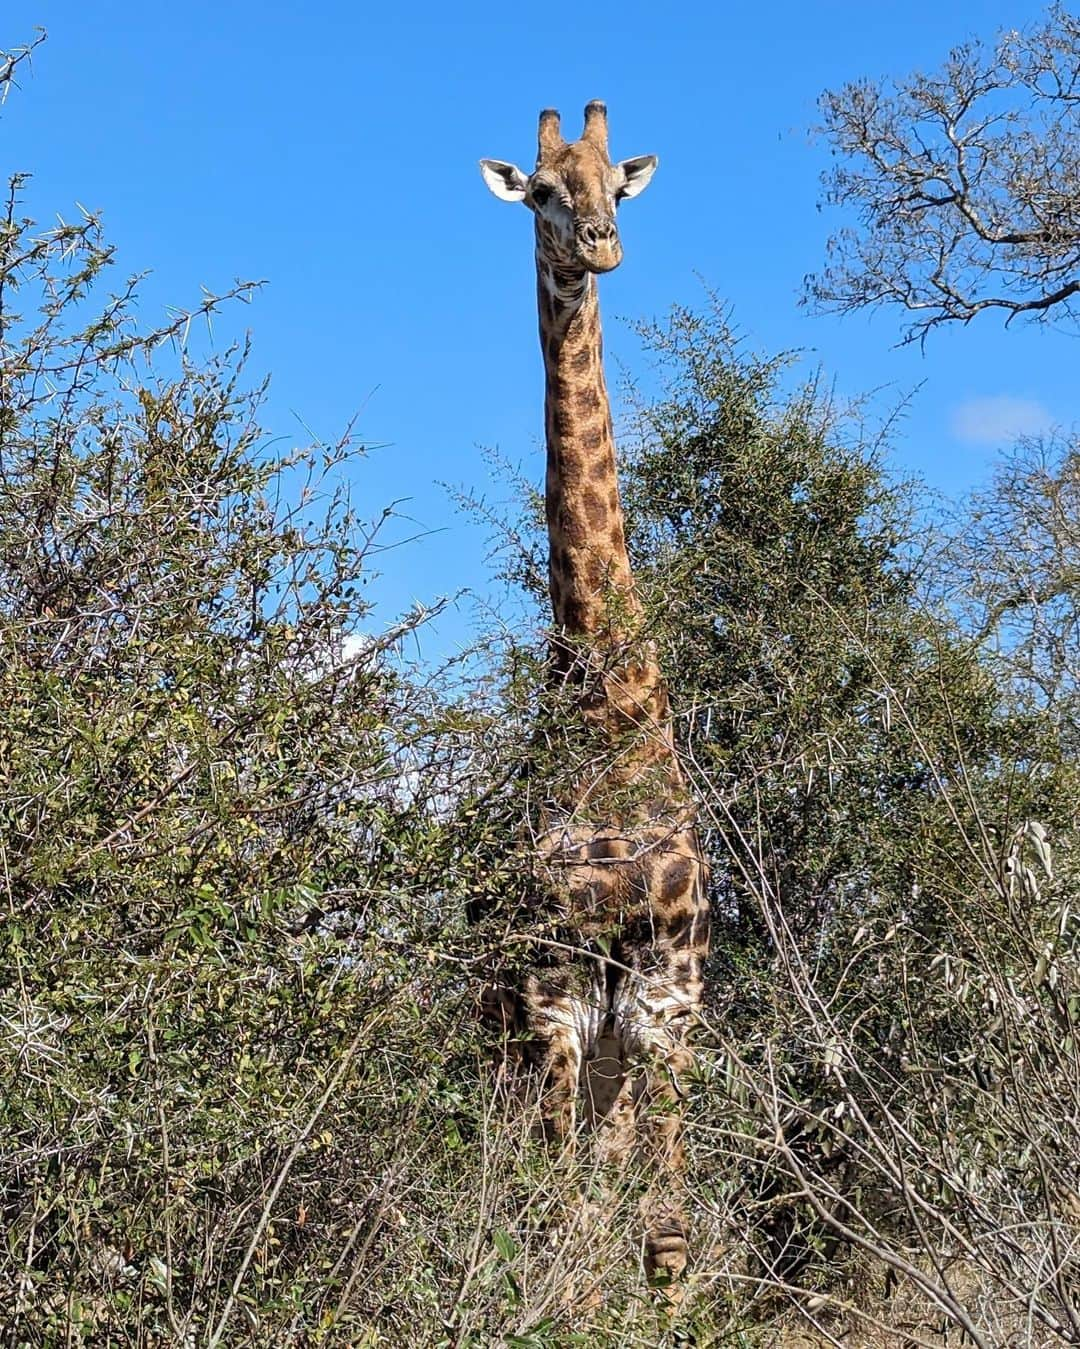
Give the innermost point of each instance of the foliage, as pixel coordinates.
(220, 814)
(889, 1061)
(243, 1093)
(1014, 559)
(778, 552)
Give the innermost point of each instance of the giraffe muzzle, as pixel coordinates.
(598, 245)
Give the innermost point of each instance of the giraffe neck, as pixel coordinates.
(592, 588)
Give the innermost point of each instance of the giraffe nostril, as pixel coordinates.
(594, 234)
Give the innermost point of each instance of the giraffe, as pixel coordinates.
(616, 851)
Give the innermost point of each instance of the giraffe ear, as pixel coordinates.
(635, 175)
(505, 180)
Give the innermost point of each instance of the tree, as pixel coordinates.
(1015, 569)
(891, 838)
(780, 555)
(965, 185)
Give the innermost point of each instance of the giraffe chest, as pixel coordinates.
(605, 879)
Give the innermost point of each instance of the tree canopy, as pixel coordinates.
(964, 184)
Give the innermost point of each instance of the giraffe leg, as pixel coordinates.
(557, 1026)
(562, 1073)
(655, 1010)
(659, 1119)
(616, 1135)
(560, 1025)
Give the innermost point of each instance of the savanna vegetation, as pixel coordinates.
(245, 1095)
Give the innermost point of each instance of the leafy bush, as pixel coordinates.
(244, 1093)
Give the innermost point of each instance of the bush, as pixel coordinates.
(890, 1060)
(243, 1091)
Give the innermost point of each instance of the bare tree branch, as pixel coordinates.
(10, 61)
(965, 185)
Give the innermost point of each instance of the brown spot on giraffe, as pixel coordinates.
(595, 437)
(618, 850)
(596, 510)
(587, 401)
(581, 361)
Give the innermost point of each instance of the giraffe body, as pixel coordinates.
(616, 852)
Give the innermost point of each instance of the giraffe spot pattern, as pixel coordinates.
(595, 508)
(587, 400)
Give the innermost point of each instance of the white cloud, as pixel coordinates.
(999, 419)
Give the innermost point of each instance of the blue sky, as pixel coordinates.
(331, 149)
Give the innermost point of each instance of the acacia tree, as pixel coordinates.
(780, 550)
(965, 185)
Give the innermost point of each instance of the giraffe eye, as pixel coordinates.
(541, 194)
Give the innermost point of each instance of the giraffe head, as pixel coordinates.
(573, 192)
